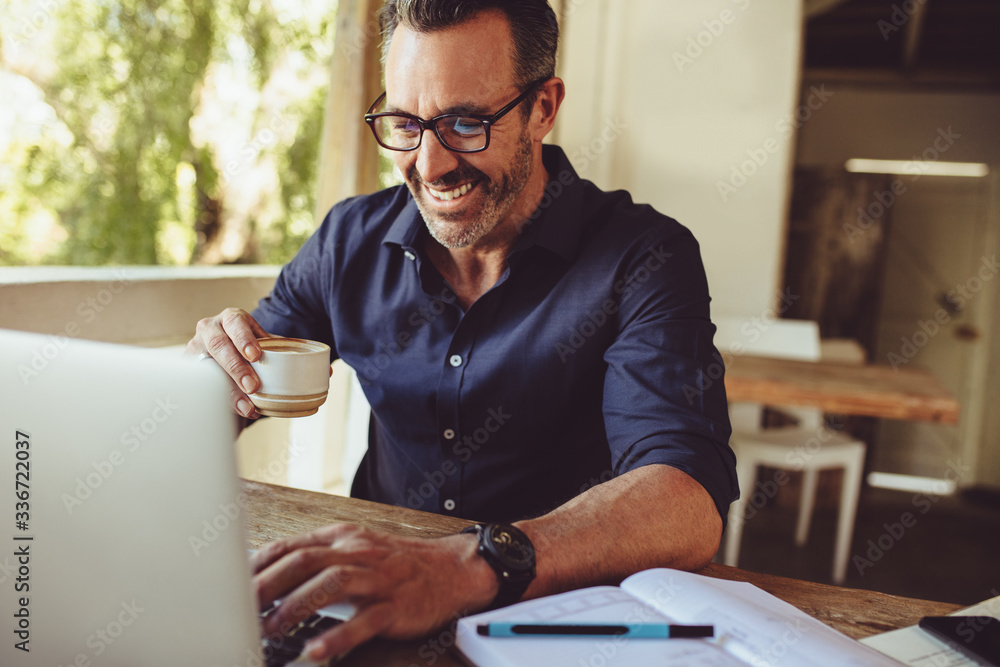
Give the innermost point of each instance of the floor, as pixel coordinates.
(935, 548)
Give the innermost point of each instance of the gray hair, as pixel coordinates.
(532, 23)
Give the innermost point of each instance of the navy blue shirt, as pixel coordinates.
(584, 361)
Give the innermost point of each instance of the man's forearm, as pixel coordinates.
(404, 587)
(654, 516)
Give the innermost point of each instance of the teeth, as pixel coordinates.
(452, 194)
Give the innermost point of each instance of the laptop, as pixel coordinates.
(122, 535)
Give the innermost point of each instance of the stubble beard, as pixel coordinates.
(497, 198)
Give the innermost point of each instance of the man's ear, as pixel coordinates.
(550, 97)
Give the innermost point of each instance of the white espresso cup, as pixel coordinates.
(294, 377)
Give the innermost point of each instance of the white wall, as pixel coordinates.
(651, 110)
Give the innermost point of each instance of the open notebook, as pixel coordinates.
(752, 627)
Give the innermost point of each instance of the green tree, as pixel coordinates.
(171, 122)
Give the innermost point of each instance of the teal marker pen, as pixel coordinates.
(628, 630)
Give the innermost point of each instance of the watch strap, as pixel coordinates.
(513, 582)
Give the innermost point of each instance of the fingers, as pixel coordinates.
(339, 640)
(240, 402)
(398, 586)
(243, 330)
(272, 552)
(231, 339)
(293, 569)
(334, 584)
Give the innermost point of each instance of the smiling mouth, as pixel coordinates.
(450, 195)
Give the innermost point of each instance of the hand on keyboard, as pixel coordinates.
(401, 587)
(279, 650)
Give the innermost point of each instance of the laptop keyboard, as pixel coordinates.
(281, 651)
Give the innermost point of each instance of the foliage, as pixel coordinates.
(178, 130)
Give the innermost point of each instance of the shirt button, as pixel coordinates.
(409, 255)
(456, 360)
(449, 434)
(449, 504)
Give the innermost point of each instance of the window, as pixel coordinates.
(160, 132)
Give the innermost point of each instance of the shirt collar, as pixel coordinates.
(555, 225)
(406, 228)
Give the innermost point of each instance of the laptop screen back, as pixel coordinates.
(122, 539)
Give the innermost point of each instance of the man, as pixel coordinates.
(524, 340)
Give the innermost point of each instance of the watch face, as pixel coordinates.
(512, 547)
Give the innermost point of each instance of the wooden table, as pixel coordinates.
(867, 390)
(275, 512)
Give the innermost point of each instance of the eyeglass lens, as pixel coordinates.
(458, 132)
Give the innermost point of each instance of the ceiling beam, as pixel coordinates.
(913, 34)
(816, 7)
(918, 79)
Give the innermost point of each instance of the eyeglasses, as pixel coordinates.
(462, 133)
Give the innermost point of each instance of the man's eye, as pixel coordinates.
(405, 126)
(468, 126)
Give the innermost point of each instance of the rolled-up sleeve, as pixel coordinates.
(664, 397)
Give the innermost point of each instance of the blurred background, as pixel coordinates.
(838, 161)
(177, 132)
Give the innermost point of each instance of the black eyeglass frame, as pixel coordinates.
(487, 121)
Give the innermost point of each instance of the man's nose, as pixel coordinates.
(433, 159)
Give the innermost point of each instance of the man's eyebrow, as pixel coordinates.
(466, 108)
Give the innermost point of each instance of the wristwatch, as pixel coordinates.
(511, 555)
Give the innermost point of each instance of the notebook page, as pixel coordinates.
(750, 623)
(603, 604)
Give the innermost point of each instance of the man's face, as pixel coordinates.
(465, 69)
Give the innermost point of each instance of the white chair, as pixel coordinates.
(808, 446)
